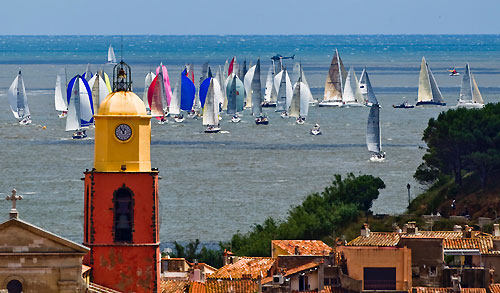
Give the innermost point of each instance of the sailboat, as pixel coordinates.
(60, 99)
(428, 90)
(111, 55)
(470, 97)
(335, 81)
(187, 90)
(147, 83)
(373, 135)
(80, 107)
(254, 94)
(157, 99)
(99, 90)
(19, 101)
(365, 87)
(105, 77)
(211, 110)
(270, 93)
(352, 96)
(299, 106)
(167, 87)
(235, 95)
(283, 86)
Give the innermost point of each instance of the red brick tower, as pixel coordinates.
(121, 194)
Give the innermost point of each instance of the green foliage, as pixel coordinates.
(317, 217)
(192, 252)
(462, 140)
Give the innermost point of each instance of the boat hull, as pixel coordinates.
(330, 104)
(430, 103)
(268, 105)
(212, 129)
(352, 105)
(470, 105)
(261, 121)
(403, 106)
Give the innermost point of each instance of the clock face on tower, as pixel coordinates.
(123, 132)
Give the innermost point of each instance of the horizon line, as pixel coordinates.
(225, 35)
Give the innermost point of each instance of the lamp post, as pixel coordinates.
(408, 186)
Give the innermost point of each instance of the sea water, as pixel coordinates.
(214, 185)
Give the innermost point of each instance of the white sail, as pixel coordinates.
(99, 90)
(348, 95)
(147, 83)
(219, 96)
(366, 89)
(85, 107)
(294, 110)
(296, 72)
(466, 88)
(357, 90)
(60, 96)
(17, 98)
(226, 69)
(111, 55)
(280, 85)
(219, 77)
(373, 137)
(269, 84)
(73, 120)
(88, 72)
(470, 96)
(248, 86)
(476, 95)
(428, 90)
(211, 108)
(175, 102)
(305, 98)
(256, 90)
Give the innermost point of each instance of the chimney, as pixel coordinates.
(496, 230)
(405, 228)
(467, 233)
(455, 280)
(396, 229)
(457, 228)
(365, 230)
(412, 228)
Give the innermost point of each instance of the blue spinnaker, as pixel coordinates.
(188, 91)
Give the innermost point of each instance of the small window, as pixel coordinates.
(123, 218)
(14, 286)
(432, 271)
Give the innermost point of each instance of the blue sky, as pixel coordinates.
(168, 17)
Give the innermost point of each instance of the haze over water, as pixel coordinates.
(215, 185)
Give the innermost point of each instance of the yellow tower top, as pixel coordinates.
(122, 129)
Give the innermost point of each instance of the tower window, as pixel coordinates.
(123, 215)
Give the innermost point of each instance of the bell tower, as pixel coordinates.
(121, 194)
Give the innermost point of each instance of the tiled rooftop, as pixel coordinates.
(306, 247)
(494, 288)
(245, 267)
(447, 290)
(234, 286)
(292, 271)
(197, 287)
(171, 286)
(376, 239)
(483, 244)
(434, 234)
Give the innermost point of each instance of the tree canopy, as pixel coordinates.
(462, 140)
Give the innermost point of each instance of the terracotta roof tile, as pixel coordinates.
(434, 234)
(494, 288)
(197, 287)
(376, 239)
(234, 286)
(306, 247)
(483, 244)
(245, 267)
(171, 286)
(447, 290)
(292, 271)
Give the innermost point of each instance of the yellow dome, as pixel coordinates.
(122, 103)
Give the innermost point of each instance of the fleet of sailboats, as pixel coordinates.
(470, 97)
(234, 90)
